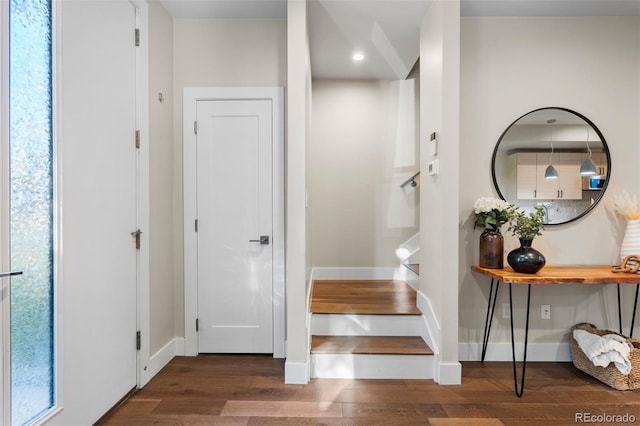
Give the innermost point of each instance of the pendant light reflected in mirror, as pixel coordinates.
(551, 172)
(588, 167)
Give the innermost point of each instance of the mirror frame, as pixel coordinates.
(605, 149)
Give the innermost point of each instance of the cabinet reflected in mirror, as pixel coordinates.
(554, 158)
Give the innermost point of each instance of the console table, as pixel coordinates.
(549, 275)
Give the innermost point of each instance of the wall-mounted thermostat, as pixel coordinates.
(433, 168)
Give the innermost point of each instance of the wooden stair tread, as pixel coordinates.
(374, 345)
(373, 297)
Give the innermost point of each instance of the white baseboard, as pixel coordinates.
(159, 360)
(296, 373)
(357, 273)
(449, 373)
(554, 352)
(431, 327)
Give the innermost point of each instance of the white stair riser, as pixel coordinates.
(366, 325)
(356, 366)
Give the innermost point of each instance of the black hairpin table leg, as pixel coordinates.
(633, 313)
(519, 391)
(489, 318)
(619, 310)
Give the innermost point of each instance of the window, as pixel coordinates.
(31, 208)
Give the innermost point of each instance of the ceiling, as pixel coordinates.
(226, 9)
(385, 31)
(550, 7)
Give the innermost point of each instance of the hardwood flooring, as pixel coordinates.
(376, 297)
(250, 390)
(378, 345)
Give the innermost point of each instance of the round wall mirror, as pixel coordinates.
(553, 158)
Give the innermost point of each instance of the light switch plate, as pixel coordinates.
(433, 168)
(433, 144)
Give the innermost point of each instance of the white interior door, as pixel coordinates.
(98, 175)
(234, 226)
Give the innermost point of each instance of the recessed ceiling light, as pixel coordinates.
(358, 57)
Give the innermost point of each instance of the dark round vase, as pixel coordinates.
(491, 249)
(525, 259)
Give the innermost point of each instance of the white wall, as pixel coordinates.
(509, 66)
(297, 227)
(439, 195)
(363, 146)
(161, 292)
(210, 53)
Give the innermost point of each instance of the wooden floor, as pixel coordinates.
(376, 297)
(373, 345)
(249, 390)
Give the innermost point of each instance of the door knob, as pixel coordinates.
(264, 239)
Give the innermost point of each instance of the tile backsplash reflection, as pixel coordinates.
(559, 211)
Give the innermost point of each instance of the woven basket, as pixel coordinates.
(609, 375)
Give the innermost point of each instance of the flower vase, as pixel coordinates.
(631, 241)
(491, 249)
(525, 259)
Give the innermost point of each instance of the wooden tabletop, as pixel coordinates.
(577, 274)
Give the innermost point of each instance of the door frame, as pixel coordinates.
(5, 249)
(144, 374)
(191, 95)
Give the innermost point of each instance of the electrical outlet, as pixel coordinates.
(545, 311)
(506, 312)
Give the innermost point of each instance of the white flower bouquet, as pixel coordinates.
(492, 213)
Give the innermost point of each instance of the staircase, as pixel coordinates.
(367, 329)
(409, 254)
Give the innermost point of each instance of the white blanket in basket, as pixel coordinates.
(603, 350)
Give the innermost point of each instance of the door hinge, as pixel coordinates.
(197, 324)
(196, 225)
(138, 340)
(137, 37)
(195, 127)
(136, 235)
(138, 139)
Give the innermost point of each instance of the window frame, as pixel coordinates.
(5, 305)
